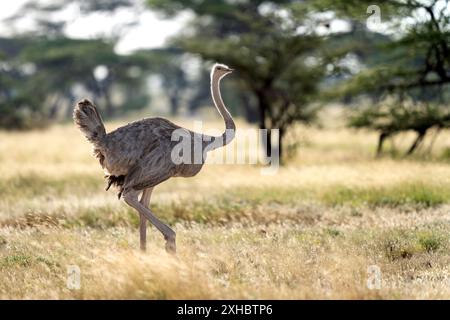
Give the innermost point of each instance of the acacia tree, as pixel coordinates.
(20, 100)
(167, 64)
(415, 65)
(277, 64)
(61, 63)
(40, 68)
(396, 114)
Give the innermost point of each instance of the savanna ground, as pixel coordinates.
(310, 231)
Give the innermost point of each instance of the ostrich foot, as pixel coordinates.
(171, 246)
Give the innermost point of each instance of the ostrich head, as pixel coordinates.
(220, 70)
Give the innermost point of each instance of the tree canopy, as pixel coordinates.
(279, 66)
(412, 66)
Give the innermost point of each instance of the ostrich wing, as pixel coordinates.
(123, 148)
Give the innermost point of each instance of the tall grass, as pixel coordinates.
(310, 231)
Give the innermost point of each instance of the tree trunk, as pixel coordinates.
(250, 115)
(280, 143)
(109, 110)
(381, 140)
(174, 104)
(262, 108)
(433, 140)
(54, 108)
(69, 111)
(417, 142)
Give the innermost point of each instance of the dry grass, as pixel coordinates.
(311, 231)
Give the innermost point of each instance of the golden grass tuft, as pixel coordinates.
(311, 231)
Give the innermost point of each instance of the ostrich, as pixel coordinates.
(138, 156)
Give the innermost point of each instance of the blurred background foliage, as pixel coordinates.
(291, 59)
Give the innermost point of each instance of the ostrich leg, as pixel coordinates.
(145, 201)
(131, 198)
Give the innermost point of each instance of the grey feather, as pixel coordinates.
(137, 156)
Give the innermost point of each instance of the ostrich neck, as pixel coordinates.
(218, 102)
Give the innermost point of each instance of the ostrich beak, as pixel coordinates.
(230, 70)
